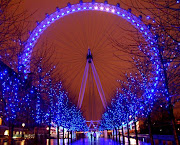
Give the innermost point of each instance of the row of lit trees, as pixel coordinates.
(37, 99)
(162, 18)
(166, 30)
(45, 103)
(50, 94)
(133, 100)
(73, 119)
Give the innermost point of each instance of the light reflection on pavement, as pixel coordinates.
(85, 141)
(104, 141)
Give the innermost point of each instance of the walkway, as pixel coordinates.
(99, 141)
(85, 141)
(104, 141)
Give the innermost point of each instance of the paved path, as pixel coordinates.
(100, 141)
(104, 141)
(85, 141)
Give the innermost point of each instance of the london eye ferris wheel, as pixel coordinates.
(75, 36)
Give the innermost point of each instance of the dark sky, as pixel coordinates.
(70, 38)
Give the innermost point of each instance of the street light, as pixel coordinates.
(0, 121)
(23, 124)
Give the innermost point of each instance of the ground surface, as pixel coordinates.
(86, 141)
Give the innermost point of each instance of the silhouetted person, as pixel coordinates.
(94, 134)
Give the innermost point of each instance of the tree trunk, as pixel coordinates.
(68, 136)
(49, 134)
(63, 135)
(71, 136)
(136, 133)
(119, 136)
(113, 134)
(169, 103)
(116, 134)
(123, 135)
(58, 135)
(11, 129)
(36, 136)
(150, 130)
(128, 133)
(173, 124)
(108, 135)
(50, 128)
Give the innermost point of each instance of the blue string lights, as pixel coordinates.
(133, 100)
(66, 114)
(19, 100)
(11, 93)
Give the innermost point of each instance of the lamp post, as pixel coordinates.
(23, 125)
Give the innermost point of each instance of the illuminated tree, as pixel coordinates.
(134, 99)
(165, 15)
(15, 94)
(67, 115)
(42, 71)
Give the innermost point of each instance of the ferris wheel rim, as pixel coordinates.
(91, 6)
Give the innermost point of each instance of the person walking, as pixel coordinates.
(94, 135)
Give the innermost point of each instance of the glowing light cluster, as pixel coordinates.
(17, 100)
(133, 100)
(66, 115)
(11, 99)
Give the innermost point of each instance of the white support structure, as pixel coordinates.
(83, 85)
(97, 80)
(93, 123)
(99, 86)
